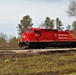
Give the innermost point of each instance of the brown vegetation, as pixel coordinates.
(38, 64)
(5, 43)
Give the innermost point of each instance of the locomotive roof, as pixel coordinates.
(39, 29)
(42, 29)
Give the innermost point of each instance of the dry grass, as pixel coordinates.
(41, 64)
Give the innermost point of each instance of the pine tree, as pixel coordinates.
(24, 24)
(48, 23)
(59, 24)
(74, 26)
(68, 27)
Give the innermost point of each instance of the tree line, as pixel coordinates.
(50, 23)
(6, 43)
(26, 22)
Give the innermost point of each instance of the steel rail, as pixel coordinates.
(35, 50)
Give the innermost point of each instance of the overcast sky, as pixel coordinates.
(12, 11)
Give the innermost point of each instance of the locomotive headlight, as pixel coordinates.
(23, 36)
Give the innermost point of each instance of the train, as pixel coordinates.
(36, 38)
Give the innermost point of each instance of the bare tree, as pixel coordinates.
(3, 41)
(4, 36)
(72, 12)
(13, 43)
(72, 8)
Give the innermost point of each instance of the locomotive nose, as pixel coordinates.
(24, 36)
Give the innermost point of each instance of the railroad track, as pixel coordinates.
(36, 50)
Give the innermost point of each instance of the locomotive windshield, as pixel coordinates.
(37, 31)
(29, 30)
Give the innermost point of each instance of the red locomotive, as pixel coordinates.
(42, 38)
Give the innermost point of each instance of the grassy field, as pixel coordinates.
(40, 64)
(71, 74)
